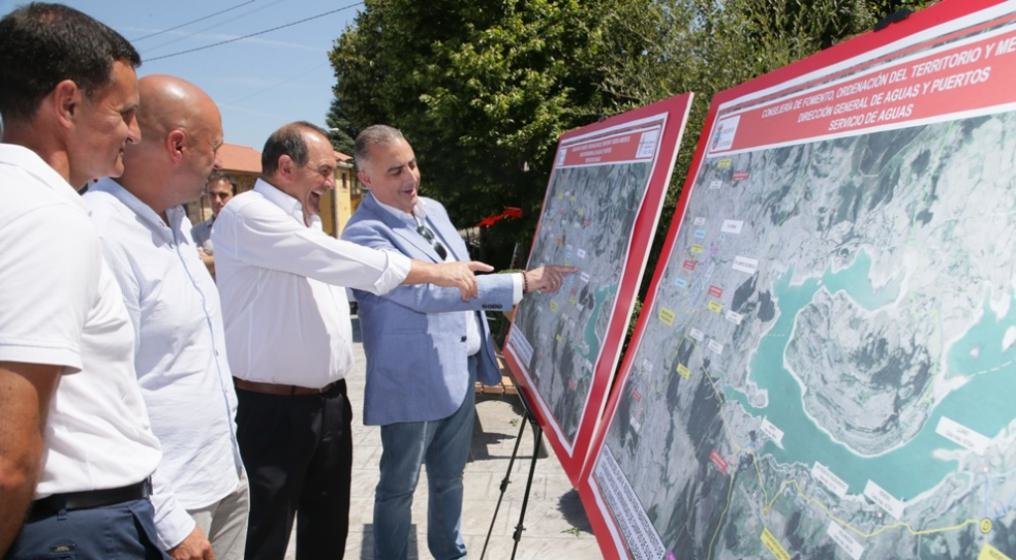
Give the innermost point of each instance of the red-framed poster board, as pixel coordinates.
(599, 214)
(826, 362)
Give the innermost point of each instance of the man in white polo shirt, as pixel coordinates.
(174, 307)
(74, 432)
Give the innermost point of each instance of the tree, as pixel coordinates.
(481, 89)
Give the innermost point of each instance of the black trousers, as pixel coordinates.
(298, 452)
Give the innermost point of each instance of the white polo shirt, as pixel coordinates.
(60, 305)
(281, 283)
(180, 352)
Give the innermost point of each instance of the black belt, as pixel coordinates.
(332, 389)
(51, 505)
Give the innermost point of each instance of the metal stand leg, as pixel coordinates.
(527, 418)
(505, 482)
(538, 440)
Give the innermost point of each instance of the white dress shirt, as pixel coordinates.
(180, 352)
(418, 218)
(60, 305)
(281, 282)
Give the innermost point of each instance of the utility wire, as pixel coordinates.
(213, 25)
(256, 33)
(281, 82)
(195, 20)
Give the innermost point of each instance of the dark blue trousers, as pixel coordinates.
(125, 530)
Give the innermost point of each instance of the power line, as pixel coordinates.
(283, 81)
(213, 25)
(195, 20)
(256, 33)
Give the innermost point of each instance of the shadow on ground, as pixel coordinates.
(570, 507)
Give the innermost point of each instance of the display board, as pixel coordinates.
(826, 364)
(599, 214)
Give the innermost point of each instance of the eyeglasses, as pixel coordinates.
(425, 232)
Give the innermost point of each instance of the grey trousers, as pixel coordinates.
(225, 522)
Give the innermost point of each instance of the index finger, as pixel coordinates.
(477, 266)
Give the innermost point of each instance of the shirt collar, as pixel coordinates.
(31, 163)
(291, 206)
(414, 219)
(154, 221)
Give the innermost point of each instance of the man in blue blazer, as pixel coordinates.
(425, 347)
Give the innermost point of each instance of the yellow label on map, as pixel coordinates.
(696, 249)
(582, 211)
(715, 306)
(991, 553)
(557, 337)
(667, 316)
(774, 546)
(553, 306)
(573, 300)
(724, 163)
(683, 371)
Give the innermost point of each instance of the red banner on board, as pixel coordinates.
(968, 77)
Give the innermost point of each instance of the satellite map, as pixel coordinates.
(829, 366)
(563, 332)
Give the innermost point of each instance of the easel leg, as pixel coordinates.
(506, 481)
(538, 440)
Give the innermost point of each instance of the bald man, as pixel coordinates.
(174, 306)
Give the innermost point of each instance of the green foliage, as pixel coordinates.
(483, 89)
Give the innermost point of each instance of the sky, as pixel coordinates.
(259, 83)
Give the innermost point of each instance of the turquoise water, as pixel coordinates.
(601, 298)
(983, 404)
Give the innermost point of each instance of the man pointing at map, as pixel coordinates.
(425, 347)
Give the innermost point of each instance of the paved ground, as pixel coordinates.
(555, 525)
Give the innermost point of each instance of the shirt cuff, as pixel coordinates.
(395, 272)
(173, 525)
(517, 285)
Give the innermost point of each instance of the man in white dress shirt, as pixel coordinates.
(289, 338)
(74, 432)
(174, 307)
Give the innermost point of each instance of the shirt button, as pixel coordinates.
(463, 339)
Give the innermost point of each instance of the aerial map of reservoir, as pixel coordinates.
(563, 332)
(829, 366)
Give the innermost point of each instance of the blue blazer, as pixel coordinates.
(415, 336)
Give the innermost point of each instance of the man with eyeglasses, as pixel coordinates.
(289, 340)
(425, 348)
